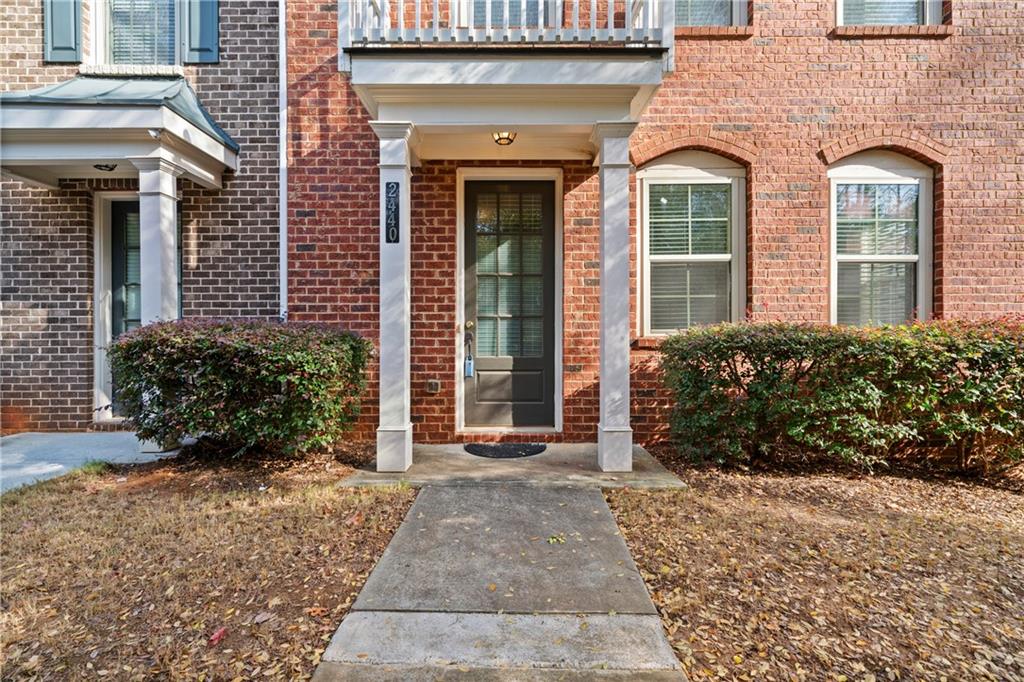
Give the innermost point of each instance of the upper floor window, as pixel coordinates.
(141, 32)
(889, 12)
(881, 239)
(711, 12)
(692, 241)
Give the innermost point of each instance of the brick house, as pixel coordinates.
(516, 198)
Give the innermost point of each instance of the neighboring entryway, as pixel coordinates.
(510, 304)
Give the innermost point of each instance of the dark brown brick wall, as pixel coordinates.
(781, 98)
(230, 236)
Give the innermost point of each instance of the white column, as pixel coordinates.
(615, 437)
(394, 430)
(158, 238)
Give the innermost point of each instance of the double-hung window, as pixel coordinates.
(889, 12)
(692, 242)
(881, 239)
(155, 32)
(711, 12)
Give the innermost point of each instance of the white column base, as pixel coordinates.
(615, 448)
(394, 449)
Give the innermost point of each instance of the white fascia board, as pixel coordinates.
(480, 146)
(199, 139)
(38, 148)
(479, 70)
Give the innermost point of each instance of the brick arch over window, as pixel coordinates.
(921, 148)
(910, 143)
(649, 148)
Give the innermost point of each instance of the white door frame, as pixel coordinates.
(102, 330)
(463, 175)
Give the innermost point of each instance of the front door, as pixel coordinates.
(510, 304)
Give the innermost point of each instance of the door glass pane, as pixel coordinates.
(508, 343)
(487, 336)
(132, 284)
(875, 293)
(687, 294)
(487, 295)
(509, 296)
(533, 337)
(533, 255)
(508, 254)
(876, 219)
(487, 213)
(142, 31)
(532, 207)
(871, 12)
(508, 211)
(486, 253)
(533, 295)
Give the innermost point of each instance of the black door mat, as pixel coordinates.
(505, 450)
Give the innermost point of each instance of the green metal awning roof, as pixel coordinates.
(172, 92)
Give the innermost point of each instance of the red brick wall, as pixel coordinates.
(784, 101)
(229, 236)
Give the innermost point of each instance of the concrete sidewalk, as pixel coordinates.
(503, 582)
(29, 457)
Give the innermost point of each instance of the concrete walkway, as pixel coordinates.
(504, 581)
(29, 457)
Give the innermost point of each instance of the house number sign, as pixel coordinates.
(392, 214)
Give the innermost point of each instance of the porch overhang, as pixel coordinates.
(456, 99)
(92, 127)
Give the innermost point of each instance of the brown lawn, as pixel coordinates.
(186, 570)
(826, 577)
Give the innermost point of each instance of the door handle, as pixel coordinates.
(470, 324)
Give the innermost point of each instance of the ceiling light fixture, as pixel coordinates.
(105, 167)
(504, 138)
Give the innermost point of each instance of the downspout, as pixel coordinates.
(282, 158)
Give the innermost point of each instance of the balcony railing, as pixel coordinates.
(626, 23)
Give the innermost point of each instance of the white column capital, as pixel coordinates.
(611, 138)
(158, 176)
(397, 140)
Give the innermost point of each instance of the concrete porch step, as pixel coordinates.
(391, 645)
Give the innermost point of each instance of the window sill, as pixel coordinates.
(714, 32)
(131, 70)
(911, 31)
(648, 342)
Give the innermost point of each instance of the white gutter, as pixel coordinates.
(282, 157)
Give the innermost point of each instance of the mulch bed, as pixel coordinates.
(833, 576)
(192, 568)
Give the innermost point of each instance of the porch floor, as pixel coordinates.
(560, 464)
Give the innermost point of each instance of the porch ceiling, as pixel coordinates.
(552, 100)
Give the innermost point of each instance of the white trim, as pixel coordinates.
(102, 324)
(693, 168)
(886, 168)
(282, 159)
(511, 174)
(932, 13)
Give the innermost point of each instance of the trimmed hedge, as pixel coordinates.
(951, 392)
(287, 387)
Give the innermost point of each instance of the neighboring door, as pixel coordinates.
(125, 275)
(510, 304)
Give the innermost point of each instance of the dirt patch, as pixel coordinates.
(187, 569)
(830, 576)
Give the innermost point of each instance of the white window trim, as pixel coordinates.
(99, 53)
(887, 168)
(666, 174)
(932, 13)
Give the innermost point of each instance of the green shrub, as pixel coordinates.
(287, 387)
(952, 392)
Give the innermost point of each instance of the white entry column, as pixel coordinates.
(158, 238)
(615, 437)
(394, 430)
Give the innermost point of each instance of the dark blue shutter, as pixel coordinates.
(62, 30)
(200, 32)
